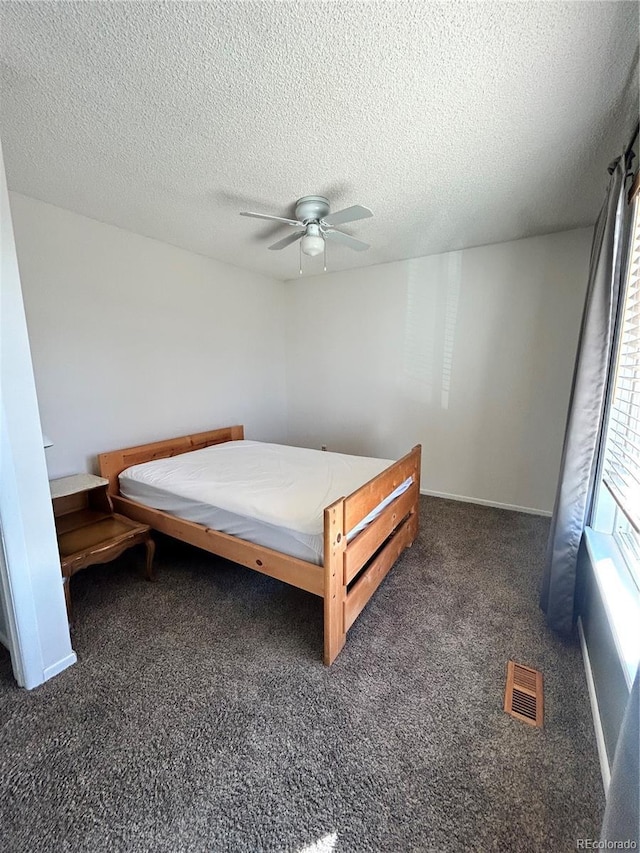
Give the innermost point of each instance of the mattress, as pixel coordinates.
(269, 494)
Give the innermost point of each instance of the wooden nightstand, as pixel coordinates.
(88, 529)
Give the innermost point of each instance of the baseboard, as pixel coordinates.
(528, 509)
(595, 711)
(57, 667)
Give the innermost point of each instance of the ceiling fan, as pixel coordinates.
(316, 225)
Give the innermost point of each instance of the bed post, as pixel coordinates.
(334, 586)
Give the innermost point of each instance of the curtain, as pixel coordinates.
(622, 813)
(587, 406)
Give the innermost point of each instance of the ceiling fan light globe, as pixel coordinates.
(312, 245)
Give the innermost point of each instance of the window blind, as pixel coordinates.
(622, 456)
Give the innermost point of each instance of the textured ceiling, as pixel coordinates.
(458, 123)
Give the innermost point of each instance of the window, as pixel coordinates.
(613, 541)
(618, 503)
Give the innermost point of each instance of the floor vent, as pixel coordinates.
(523, 696)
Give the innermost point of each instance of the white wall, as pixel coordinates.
(30, 578)
(134, 340)
(470, 353)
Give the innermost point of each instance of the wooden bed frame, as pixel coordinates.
(352, 571)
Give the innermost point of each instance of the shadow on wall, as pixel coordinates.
(485, 376)
(431, 389)
(468, 367)
(412, 356)
(428, 345)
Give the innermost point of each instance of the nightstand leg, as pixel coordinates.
(66, 583)
(151, 548)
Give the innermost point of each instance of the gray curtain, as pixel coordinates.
(587, 406)
(622, 814)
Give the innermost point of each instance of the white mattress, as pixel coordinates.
(269, 494)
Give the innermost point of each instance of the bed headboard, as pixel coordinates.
(114, 462)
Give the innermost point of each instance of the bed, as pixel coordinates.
(340, 551)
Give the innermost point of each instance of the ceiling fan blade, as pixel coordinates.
(288, 240)
(277, 218)
(349, 214)
(346, 240)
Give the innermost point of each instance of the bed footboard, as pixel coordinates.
(354, 570)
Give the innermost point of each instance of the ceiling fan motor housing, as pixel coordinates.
(312, 208)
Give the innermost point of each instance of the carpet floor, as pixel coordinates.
(199, 716)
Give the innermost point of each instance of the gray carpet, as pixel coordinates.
(200, 718)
